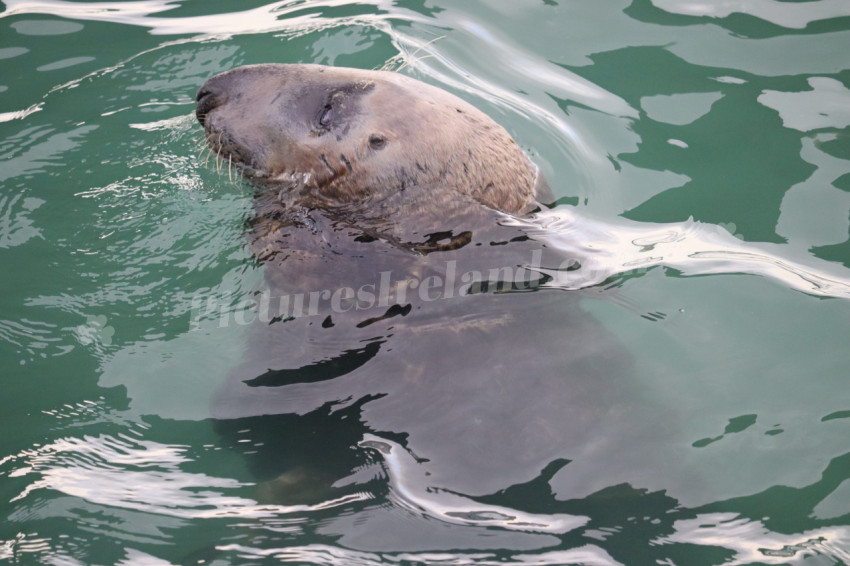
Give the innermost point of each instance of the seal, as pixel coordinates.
(382, 198)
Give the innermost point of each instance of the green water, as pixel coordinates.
(734, 447)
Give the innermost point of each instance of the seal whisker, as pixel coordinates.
(410, 64)
(390, 63)
(209, 154)
(206, 152)
(218, 153)
(426, 44)
(200, 151)
(203, 145)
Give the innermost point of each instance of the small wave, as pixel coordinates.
(281, 16)
(785, 14)
(410, 489)
(588, 555)
(142, 475)
(752, 542)
(595, 251)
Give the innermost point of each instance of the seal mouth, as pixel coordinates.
(230, 151)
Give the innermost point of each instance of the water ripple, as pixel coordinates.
(411, 490)
(285, 15)
(751, 542)
(595, 251)
(132, 473)
(785, 14)
(588, 555)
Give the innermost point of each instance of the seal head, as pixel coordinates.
(328, 136)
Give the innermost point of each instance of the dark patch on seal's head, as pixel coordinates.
(325, 135)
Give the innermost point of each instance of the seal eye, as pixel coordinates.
(377, 141)
(325, 116)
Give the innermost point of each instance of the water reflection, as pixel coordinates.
(698, 431)
(589, 555)
(277, 16)
(751, 542)
(596, 251)
(411, 488)
(126, 472)
(794, 16)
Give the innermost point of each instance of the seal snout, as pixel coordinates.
(219, 88)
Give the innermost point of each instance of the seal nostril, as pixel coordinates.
(206, 101)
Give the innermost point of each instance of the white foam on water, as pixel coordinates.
(595, 251)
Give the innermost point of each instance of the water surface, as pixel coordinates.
(715, 430)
